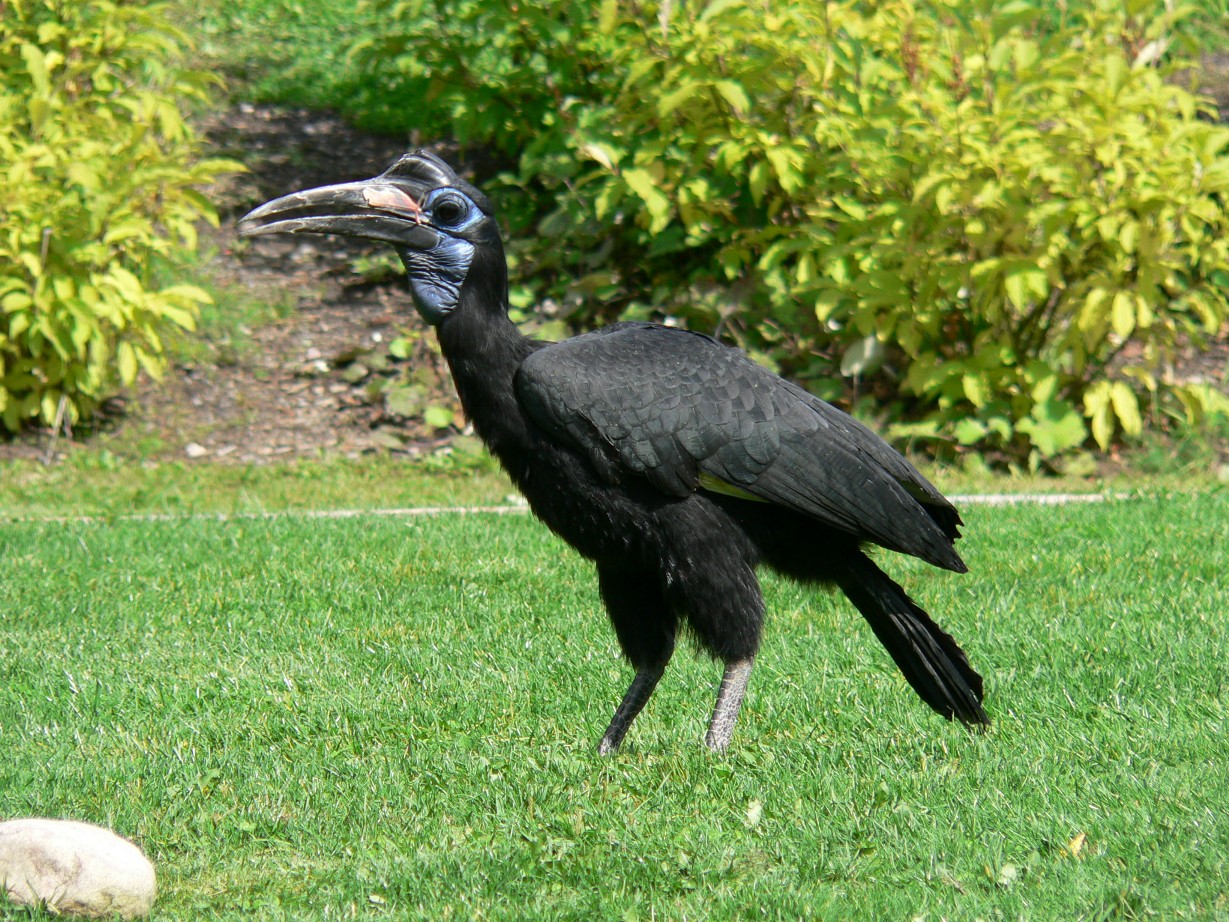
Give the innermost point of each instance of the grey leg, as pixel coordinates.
(729, 700)
(641, 688)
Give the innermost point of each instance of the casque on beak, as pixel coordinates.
(383, 209)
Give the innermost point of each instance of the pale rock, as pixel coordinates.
(74, 869)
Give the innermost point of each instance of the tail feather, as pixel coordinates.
(930, 659)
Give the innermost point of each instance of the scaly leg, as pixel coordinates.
(729, 700)
(645, 626)
(637, 695)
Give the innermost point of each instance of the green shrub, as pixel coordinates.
(283, 52)
(1000, 218)
(96, 196)
(1044, 226)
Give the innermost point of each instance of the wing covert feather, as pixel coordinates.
(669, 405)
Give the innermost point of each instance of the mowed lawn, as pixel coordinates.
(397, 718)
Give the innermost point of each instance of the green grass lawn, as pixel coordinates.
(99, 483)
(91, 483)
(397, 718)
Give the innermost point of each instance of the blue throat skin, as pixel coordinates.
(437, 272)
(436, 276)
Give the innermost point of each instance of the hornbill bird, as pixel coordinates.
(673, 462)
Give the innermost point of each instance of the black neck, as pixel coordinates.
(484, 349)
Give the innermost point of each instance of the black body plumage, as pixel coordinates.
(674, 463)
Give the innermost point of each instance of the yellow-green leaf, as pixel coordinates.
(36, 67)
(1090, 316)
(602, 153)
(1126, 408)
(735, 95)
(1115, 71)
(1122, 314)
(1022, 282)
(1045, 388)
(716, 8)
(153, 365)
(783, 164)
(805, 273)
(84, 175)
(179, 316)
(438, 417)
(1098, 410)
(186, 293)
(126, 362)
(758, 178)
(608, 16)
(658, 205)
(976, 389)
(826, 303)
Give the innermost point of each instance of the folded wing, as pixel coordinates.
(687, 413)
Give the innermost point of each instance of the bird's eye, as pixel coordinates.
(449, 210)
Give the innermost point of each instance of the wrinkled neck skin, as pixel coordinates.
(437, 276)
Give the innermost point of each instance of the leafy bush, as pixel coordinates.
(96, 195)
(284, 52)
(1002, 217)
(496, 74)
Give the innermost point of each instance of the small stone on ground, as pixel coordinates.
(75, 869)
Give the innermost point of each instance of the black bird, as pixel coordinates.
(674, 463)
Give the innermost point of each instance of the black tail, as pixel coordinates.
(935, 666)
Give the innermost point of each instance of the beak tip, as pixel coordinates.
(261, 219)
(260, 222)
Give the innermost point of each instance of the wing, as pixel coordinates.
(688, 413)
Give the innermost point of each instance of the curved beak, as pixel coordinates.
(375, 209)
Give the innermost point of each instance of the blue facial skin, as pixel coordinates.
(436, 274)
